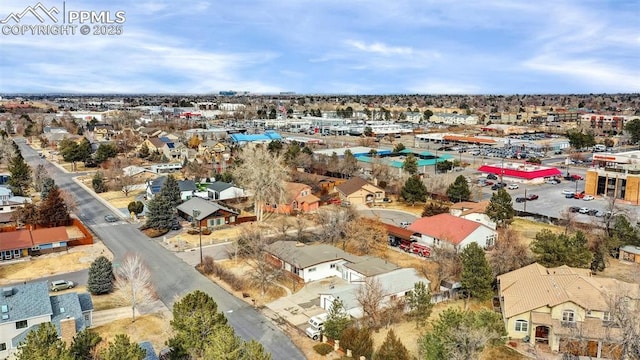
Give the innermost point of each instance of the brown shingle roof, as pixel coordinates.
(352, 185)
(469, 207)
(293, 189)
(49, 235)
(13, 240)
(535, 286)
(156, 142)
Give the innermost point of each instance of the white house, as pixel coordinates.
(395, 285)
(454, 232)
(221, 190)
(474, 211)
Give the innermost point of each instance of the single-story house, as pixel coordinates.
(474, 211)
(187, 187)
(221, 190)
(209, 214)
(395, 284)
(453, 232)
(298, 198)
(358, 191)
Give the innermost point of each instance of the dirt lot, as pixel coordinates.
(154, 328)
(76, 258)
(528, 228)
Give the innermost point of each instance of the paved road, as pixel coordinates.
(172, 277)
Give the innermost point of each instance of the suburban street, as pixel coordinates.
(171, 276)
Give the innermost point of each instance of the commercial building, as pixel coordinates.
(521, 172)
(615, 175)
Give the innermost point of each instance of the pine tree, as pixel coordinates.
(135, 207)
(43, 343)
(500, 208)
(419, 301)
(20, 175)
(84, 344)
(414, 190)
(122, 348)
(171, 191)
(359, 341)
(337, 320)
(223, 344)
(47, 185)
(554, 250)
(477, 276)
(53, 210)
(100, 276)
(410, 165)
(253, 350)
(459, 190)
(105, 151)
(98, 183)
(392, 349)
(144, 151)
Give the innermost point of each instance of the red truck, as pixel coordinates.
(415, 248)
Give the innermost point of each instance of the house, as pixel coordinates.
(101, 132)
(209, 214)
(21, 243)
(8, 202)
(297, 198)
(319, 183)
(446, 230)
(25, 306)
(308, 263)
(630, 253)
(15, 244)
(221, 190)
(565, 308)
(396, 285)
(358, 191)
(187, 187)
(154, 144)
(474, 211)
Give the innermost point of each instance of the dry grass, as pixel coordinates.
(76, 258)
(240, 269)
(118, 199)
(622, 271)
(154, 328)
(528, 229)
(501, 353)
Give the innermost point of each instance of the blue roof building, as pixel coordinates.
(265, 137)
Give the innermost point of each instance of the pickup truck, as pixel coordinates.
(316, 325)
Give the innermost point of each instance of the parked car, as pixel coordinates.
(568, 196)
(532, 197)
(567, 192)
(521, 199)
(593, 212)
(588, 198)
(110, 218)
(553, 181)
(583, 210)
(513, 186)
(57, 285)
(492, 177)
(579, 195)
(574, 209)
(387, 200)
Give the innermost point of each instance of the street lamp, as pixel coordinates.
(196, 213)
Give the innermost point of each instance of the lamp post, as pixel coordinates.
(196, 213)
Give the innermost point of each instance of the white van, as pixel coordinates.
(316, 326)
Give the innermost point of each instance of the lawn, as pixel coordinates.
(528, 228)
(118, 199)
(154, 328)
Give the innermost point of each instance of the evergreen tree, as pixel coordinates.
(122, 348)
(419, 301)
(53, 210)
(171, 191)
(98, 183)
(477, 276)
(459, 190)
(410, 165)
(43, 343)
(392, 349)
(144, 151)
(554, 250)
(105, 151)
(84, 344)
(414, 190)
(337, 320)
(47, 185)
(20, 175)
(160, 213)
(222, 344)
(500, 208)
(100, 276)
(253, 350)
(434, 208)
(633, 129)
(399, 147)
(359, 341)
(195, 319)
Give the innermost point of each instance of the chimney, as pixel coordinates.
(68, 330)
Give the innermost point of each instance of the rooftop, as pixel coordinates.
(304, 256)
(445, 227)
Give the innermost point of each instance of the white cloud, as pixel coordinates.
(380, 48)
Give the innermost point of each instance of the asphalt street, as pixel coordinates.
(171, 276)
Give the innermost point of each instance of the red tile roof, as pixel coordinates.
(49, 235)
(540, 173)
(445, 227)
(13, 240)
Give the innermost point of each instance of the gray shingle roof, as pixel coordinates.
(303, 256)
(67, 306)
(219, 186)
(187, 185)
(372, 266)
(205, 207)
(27, 301)
(86, 303)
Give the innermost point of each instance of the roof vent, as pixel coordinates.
(8, 291)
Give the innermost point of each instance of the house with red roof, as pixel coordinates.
(446, 230)
(521, 172)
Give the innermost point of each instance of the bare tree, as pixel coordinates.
(133, 282)
(69, 200)
(568, 219)
(254, 244)
(509, 252)
(263, 174)
(624, 306)
(370, 296)
(365, 235)
(333, 221)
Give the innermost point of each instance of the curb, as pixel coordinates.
(99, 198)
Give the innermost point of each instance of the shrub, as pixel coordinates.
(237, 283)
(193, 231)
(153, 233)
(208, 266)
(206, 231)
(323, 349)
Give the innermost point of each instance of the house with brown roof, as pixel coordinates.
(358, 191)
(298, 198)
(565, 308)
(446, 230)
(474, 211)
(154, 144)
(21, 243)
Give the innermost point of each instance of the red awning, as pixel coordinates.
(535, 174)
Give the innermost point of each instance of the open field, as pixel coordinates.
(76, 258)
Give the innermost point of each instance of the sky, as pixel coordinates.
(330, 47)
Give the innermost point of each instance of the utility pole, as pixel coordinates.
(525, 200)
(196, 213)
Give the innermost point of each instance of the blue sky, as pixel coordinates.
(335, 46)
